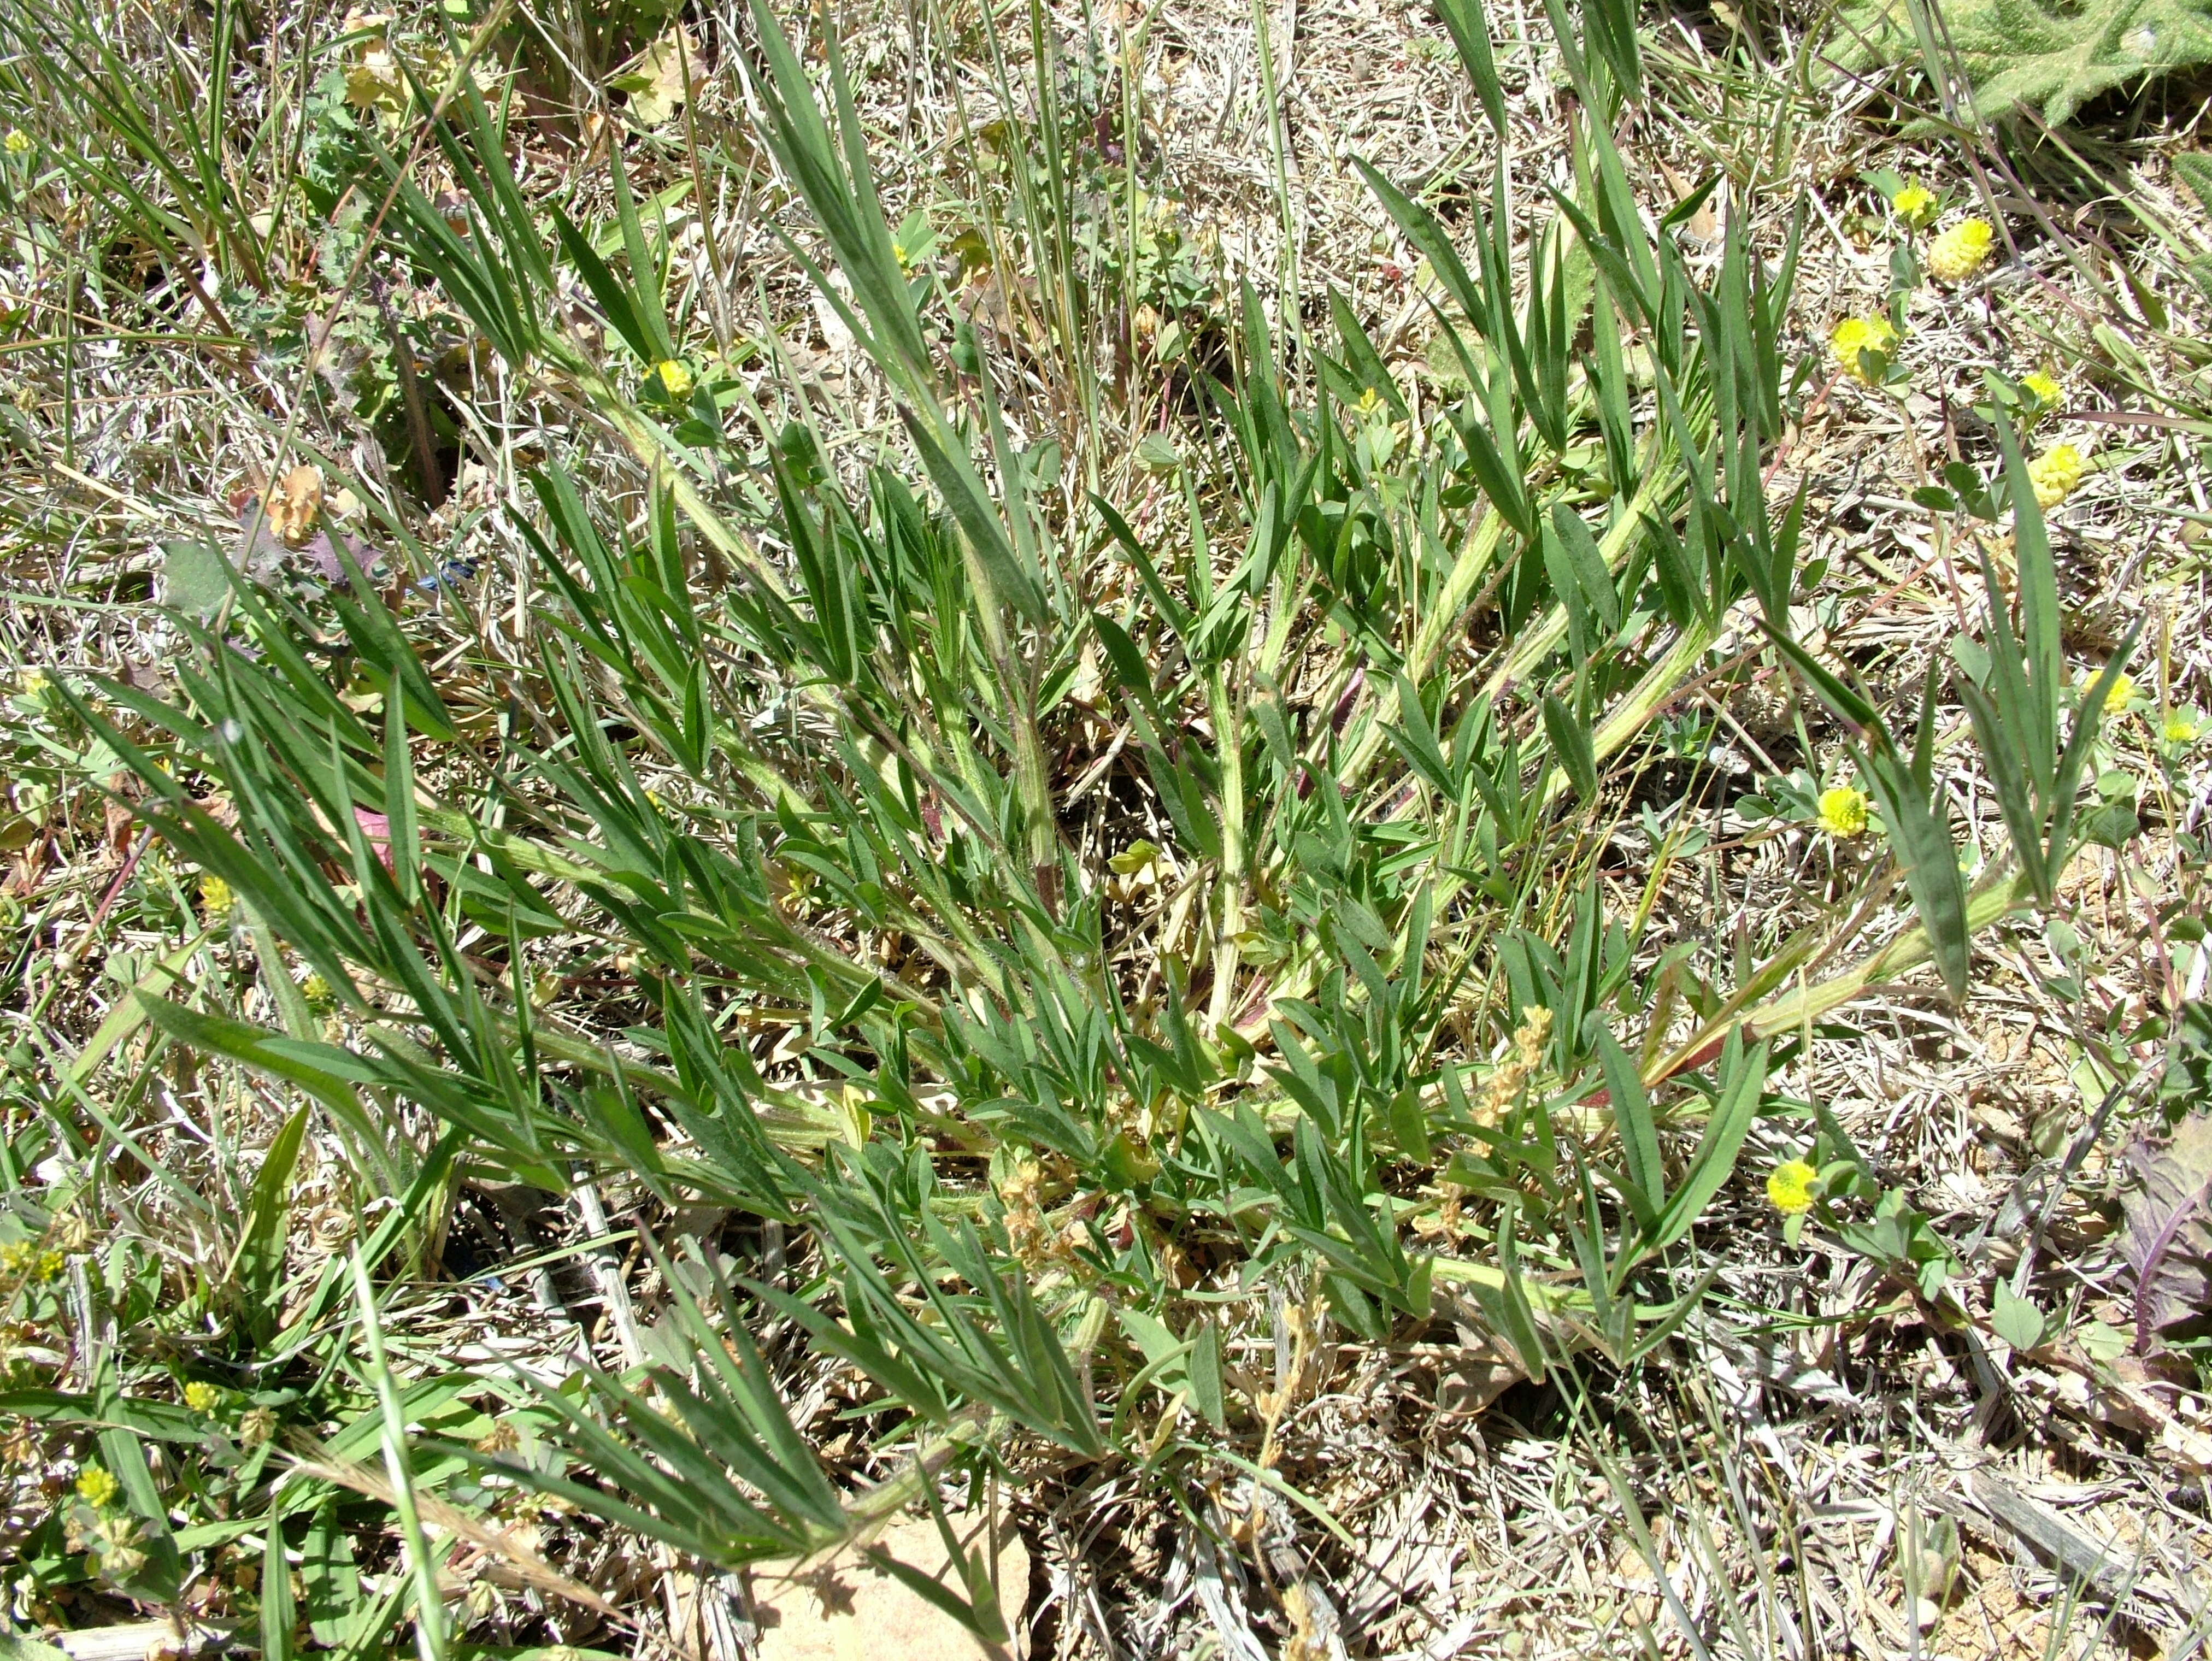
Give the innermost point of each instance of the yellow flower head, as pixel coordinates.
(97, 1488)
(1958, 253)
(216, 898)
(1862, 346)
(2120, 694)
(24, 1260)
(2055, 474)
(1915, 204)
(2181, 728)
(1844, 812)
(18, 141)
(1792, 1187)
(202, 1397)
(34, 683)
(2043, 389)
(315, 989)
(675, 377)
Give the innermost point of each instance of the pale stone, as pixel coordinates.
(850, 1611)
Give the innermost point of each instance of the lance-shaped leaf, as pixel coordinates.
(1918, 813)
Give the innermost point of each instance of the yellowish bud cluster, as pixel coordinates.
(1862, 346)
(1505, 1085)
(216, 899)
(1792, 1187)
(97, 1487)
(2056, 474)
(27, 1260)
(1958, 253)
(1915, 204)
(1023, 1195)
(1844, 812)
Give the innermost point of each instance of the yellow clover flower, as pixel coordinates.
(1958, 253)
(2120, 694)
(1791, 1187)
(26, 1258)
(1915, 204)
(2056, 474)
(216, 898)
(675, 377)
(97, 1488)
(202, 1397)
(1862, 346)
(2180, 728)
(18, 141)
(1844, 812)
(2043, 389)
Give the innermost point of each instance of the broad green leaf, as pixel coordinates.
(2016, 1319)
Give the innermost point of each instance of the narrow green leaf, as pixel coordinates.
(1572, 745)
(1581, 556)
(2039, 615)
(1206, 1392)
(278, 1612)
(1920, 834)
(1004, 576)
(1744, 1083)
(259, 1258)
(1470, 32)
(1638, 1130)
(402, 842)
